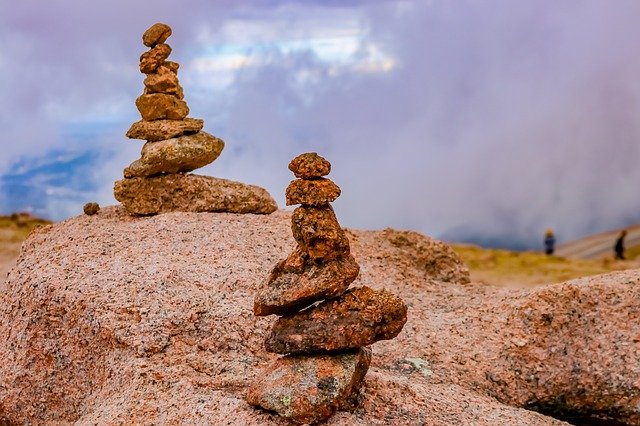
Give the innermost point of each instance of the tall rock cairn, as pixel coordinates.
(326, 357)
(157, 183)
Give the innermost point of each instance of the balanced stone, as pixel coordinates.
(158, 130)
(176, 155)
(309, 165)
(158, 106)
(318, 233)
(298, 281)
(163, 81)
(316, 192)
(359, 317)
(158, 33)
(91, 208)
(191, 193)
(309, 389)
(152, 59)
(173, 66)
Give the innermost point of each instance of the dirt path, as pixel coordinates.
(598, 246)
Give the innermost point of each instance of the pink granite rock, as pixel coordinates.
(309, 389)
(116, 319)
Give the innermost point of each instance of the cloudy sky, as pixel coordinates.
(482, 120)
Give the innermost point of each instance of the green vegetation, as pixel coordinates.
(503, 267)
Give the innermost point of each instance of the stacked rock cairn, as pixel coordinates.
(157, 182)
(324, 328)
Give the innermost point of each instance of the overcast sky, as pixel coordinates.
(486, 120)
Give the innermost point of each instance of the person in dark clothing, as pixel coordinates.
(619, 247)
(549, 242)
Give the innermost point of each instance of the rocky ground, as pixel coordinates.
(109, 319)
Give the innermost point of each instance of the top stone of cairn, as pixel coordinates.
(157, 34)
(309, 166)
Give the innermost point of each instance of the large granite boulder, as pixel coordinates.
(117, 319)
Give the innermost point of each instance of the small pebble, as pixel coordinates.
(91, 208)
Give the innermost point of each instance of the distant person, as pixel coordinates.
(619, 247)
(549, 242)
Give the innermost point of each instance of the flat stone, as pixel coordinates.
(181, 154)
(191, 193)
(159, 130)
(309, 389)
(152, 59)
(158, 106)
(163, 81)
(298, 281)
(158, 33)
(316, 192)
(309, 165)
(318, 233)
(360, 317)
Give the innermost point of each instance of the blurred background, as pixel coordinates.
(476, 121)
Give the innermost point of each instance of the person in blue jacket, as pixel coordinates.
(549, 242)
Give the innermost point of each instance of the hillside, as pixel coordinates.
(13, 231)
(599, 246)
(523, 269)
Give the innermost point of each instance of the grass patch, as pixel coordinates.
(504, 267)
(15, 228)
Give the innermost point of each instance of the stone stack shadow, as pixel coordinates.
(176, 145)
(324, 327)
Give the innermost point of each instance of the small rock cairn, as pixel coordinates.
(324, 345)
(157, 183)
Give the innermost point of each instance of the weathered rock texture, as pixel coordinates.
(321, 267)
(156, 34)
(316, 192)
(309, 165)
(181, 154)
(175, 145)
(308, 389)
(296, 282)
(360, 317)
(91, 208)
(191, 193)
(116, 319)
(159, 130)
